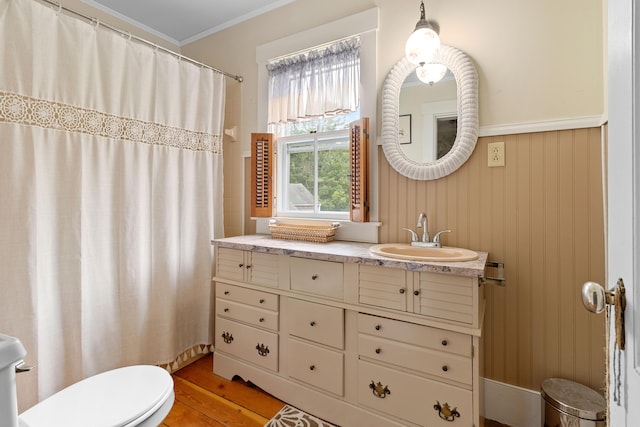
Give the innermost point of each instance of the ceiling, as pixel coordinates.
(184, 21)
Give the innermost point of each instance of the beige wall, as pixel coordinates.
(541, 215)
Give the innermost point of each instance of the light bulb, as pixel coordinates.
(431, 73)
(422, 46)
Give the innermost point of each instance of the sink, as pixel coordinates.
(418, 253)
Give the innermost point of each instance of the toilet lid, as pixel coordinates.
(117, 398)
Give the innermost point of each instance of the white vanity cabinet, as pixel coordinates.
(349, 337)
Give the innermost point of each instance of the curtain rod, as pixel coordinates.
(140, 39)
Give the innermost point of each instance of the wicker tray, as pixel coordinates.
(320, 233)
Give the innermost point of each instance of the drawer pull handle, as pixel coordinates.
(261, 320)
(240, 265)
(248, 266)
(402, 290)
(312, 367)
(314, 277)
(379, 390)
(416, 293)
(378, 350)
(445, 368)
(227, 337)
(226, 310)
(263, 350)
(445, 342)
(312, 323)
(227, 292)
(445, 412)
(378, 327)
(261, 300)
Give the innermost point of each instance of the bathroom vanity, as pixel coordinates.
(351, 337)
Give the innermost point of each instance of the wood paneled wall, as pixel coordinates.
(542, 215)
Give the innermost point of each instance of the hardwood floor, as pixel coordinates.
(204, 399)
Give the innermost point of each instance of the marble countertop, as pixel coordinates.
(351, 252)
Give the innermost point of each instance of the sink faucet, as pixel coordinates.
(423, 223)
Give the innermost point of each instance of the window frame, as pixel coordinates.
(364, 24)
(283, 174)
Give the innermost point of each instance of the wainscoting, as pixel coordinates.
(542, 216)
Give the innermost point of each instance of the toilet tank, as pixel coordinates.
(11, 353)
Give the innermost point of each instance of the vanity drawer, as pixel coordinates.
(317, 277)
(320, 367)
(382, 287)
(437, 363)
(413, 398)
(316, 322)
(255, 316)
(410, 333)
(245, 342)
(247, 296)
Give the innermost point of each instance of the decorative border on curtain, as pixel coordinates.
(54, 115)
(187, 356)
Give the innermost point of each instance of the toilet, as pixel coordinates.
(140, 396)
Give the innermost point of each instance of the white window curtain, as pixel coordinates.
(320, 83)
(111, 191)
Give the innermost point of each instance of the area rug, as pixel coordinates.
(294, 417)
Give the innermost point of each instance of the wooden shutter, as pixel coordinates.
(359, 135)
(262, 174)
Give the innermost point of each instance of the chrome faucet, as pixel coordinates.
(423, 223)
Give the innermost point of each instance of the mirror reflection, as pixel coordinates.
(428, 117)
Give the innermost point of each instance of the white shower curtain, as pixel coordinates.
(110, 192)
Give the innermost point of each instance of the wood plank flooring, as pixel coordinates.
(204, 399)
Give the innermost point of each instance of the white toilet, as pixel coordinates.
(139, 396)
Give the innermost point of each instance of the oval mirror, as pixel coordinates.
(397, 128)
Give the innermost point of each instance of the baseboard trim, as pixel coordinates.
(511, 405)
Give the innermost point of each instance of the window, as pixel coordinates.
(314, 175)
(313, 97)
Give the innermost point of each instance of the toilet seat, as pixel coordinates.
(123, 397)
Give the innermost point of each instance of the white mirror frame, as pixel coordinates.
(467, 103)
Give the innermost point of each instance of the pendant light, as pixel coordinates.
(424, 41)
(431, 73)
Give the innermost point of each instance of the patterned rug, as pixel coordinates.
(294, 417)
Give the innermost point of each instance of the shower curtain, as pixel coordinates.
(110, 193)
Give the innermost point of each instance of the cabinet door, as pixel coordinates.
(383, 287)
(413, 398)
(262, 269)
(230, 264)
(447, 297)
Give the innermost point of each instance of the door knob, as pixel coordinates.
(595, 299)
